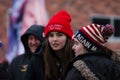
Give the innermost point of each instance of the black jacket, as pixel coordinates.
(36, 65)
(3, 71)
(92, 66)
(19, 64)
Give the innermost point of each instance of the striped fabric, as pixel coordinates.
(93, 32)
(91, 36)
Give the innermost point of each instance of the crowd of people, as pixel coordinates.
(53, 52)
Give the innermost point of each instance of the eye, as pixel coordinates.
(50, 35)
(76, 43)
(60, 34)
(30, 37)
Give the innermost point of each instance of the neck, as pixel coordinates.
(60, 55)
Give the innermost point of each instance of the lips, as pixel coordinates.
(34, 47)
(55, 45)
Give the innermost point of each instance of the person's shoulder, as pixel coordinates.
(96, 59)
(18, 58)
(102, 59)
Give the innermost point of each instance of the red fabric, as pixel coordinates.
(60, 22)
(105, 31)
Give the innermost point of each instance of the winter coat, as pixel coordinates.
(93, 66)
(3, 71)
(36, 65)
(19, 64)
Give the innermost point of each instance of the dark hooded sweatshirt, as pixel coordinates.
(19, 64)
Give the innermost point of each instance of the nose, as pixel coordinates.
(73, 47)
(55, 38)
(33, 41)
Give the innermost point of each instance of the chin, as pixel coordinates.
(33, 51)
(56, 49)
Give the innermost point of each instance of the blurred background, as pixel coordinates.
(17, 15)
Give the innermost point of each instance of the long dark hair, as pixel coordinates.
(104, 51)
(50, 60)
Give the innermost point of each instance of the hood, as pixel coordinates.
(37, 31)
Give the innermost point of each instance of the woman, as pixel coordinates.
(51, 62)
(93, 60)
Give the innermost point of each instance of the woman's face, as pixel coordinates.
(33, 43)
(78, 48)
(57, 40)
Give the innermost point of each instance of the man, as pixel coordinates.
(32, 41)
